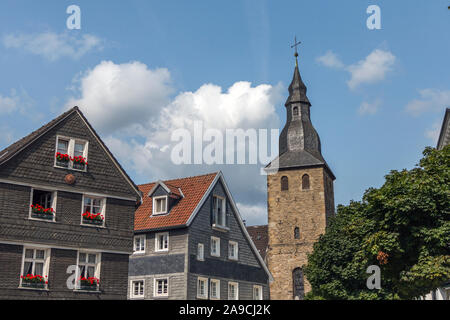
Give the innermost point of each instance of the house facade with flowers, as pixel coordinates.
(66, 215)
(191, 243)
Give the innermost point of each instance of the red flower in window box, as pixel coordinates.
(62, 157)
(93, 218)
(35, 281)
(38, 209)
(89, 283)
(79, 160)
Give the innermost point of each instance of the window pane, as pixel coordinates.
(91, 258)
(79, 149)
(27, 268)
(39, 268)
(29, 254)
(90, 271)
(136, 288)
(63, 146)
(40, 254)
(82, 257)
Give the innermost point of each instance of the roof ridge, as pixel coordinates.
(184, 178)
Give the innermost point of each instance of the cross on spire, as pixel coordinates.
(296, 53)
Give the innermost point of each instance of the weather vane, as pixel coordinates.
(296, 53)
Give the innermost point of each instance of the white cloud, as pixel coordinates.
(369, 108)
(137, 100)
(372, 69)
(115, 96)
(53, 46)
(253, 214)
(431, 100)
(433, 132)
(16, 101)
(331, 60)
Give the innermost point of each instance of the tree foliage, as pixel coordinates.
(403, 227)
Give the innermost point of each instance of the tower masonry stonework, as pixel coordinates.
(300, 197)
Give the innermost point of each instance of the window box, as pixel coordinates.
(88, 284)
(62, 159)
(92, 219)
(34, 281)
(79, 162)
(39, 212)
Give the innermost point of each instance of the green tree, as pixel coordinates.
(403, 227)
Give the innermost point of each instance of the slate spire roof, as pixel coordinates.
(299, 143)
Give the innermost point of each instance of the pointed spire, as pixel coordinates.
(297, 89)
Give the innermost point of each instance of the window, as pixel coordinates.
(284, 183)
(88, 268)
(202, 288)
(305, 182)
(160, 205)
(139, 244)
(162, 241)
(200, 252)
(232, 250)
(93, 211)
(35, 263)
(219, 211)
(215, 246)
(161, 287)
(233, 291)
(299, 286)
(215, 289)
(295, 111)
(72, 148)
(43, 204)
(296, 233)
(257, 293)
(137, 289)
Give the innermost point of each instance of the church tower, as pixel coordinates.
(300, 196)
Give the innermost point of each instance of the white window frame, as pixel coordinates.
(142, 243)
(45, 261)
(233, 254)
(54, 203)
(220, 222)
(70, 151)
(236, 284)
(217, 296)
(157, 249)
(201, 249)
(132, 294)
(260, 291)
(103, 210)
(155, 287)
(217, 253)
(155, 213)
(205, 281)
(98, 265)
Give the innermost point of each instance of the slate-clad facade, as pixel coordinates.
(175, 273)
(50, 247)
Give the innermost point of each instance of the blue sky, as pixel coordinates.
(378, 96)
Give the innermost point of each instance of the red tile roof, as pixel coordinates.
(193, 189)
(259, 235)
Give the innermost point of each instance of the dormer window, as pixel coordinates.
(71, 153)
(159, 205)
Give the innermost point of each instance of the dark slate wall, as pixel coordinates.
(113, 285)
(247, 268)
(150, 265)
(35, 163)
(66, 230)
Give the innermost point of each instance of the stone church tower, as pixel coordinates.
(300, 196)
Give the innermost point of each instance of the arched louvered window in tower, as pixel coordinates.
(305, 182)
(284, 183)
(295, 111)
